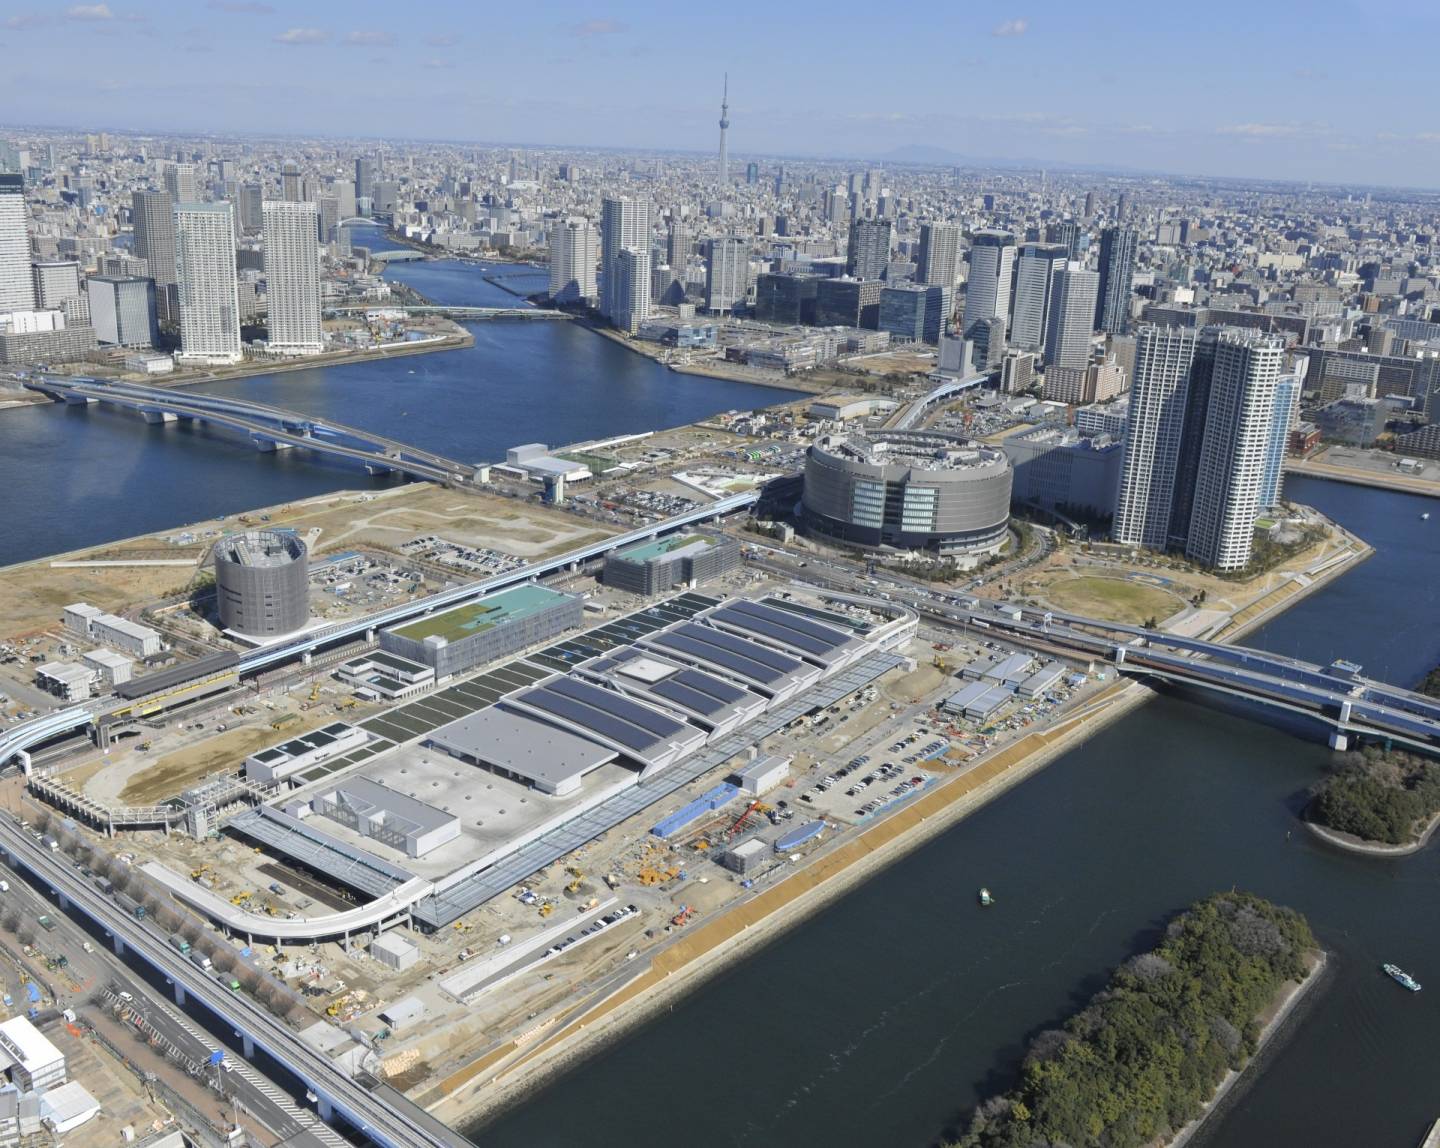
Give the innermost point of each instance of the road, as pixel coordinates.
(101, 977)
(388, 1120)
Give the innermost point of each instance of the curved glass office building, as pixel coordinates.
(908, 490)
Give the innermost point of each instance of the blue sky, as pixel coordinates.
(1267, 88)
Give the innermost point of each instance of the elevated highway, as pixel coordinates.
(385, 1118)
(16, 741)
(270, 428)
(460, 313)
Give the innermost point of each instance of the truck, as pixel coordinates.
(105, 885)
(45, 922)
(4, 886)
(200, 960)
(180, 944)
(131, 906)
(50, 843)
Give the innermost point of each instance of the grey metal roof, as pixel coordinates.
(522, 745)
(176, 676)
(354, 867)
(450, 903)
(403, 813)
(736, 655)
(609, 714)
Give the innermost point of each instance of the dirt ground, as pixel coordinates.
(173, 773)
(33, 594)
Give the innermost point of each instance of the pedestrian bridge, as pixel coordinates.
(269, 428)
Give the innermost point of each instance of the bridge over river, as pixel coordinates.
(269, 428)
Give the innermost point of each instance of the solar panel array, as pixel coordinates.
(605, 712)
(450, 904)
(729, 652)
(774, 624)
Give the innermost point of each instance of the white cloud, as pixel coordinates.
(85, 13)
(369, 39)
(438, 64)
(243, 7)
(302, 36)
(1011, 28)
(25, 22)
(1258, 131)
(443, 40)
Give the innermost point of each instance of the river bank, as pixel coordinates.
(1322, 466)
(450, 342)
(1358, 845)
(508, 1073)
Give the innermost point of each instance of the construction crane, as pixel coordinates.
(753, 807)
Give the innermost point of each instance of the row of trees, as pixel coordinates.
(283, 1001)
(1378, 795)
(1147, 1053)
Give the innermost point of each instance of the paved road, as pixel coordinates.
(101, 976)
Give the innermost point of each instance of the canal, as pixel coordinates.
(885, 1018)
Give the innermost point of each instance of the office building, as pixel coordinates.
(678, 248)
(908, 490)
(1158, 395)
(365, 172)
(624, 223)
(938, 263)
(631, 294)
(180, 183)
(290, 183)
(56, 283)
(153, 216)
(292, 278)
(122, 310)
(848, 303)
(1068, 235)
(1057, 468)
(681, 560)
(1035, 271)
(987, 291)
(1117, 272)
(727, 274)
(1284, 416)
(251, 201)
(786, 299)
(939, 309)
(1072, 316)
(1237, 434)
(902, 311)
(574, 252)
(43, 337)
(17, 285)
(206, 283)
(869, 251)
(987, 340)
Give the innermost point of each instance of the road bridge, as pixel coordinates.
(1339, 696)
(269, 428)
(459, 313)
(386, 1118)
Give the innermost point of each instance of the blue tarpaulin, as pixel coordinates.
(217, 1056)
(34, 990)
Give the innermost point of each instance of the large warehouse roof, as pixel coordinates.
(638, 731)
(485, 614)
(769, 670)
(813, 640)
(699, 696)
(552, 759)
(345, 863)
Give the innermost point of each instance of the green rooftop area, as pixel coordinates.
(660, 547)
(477, 617)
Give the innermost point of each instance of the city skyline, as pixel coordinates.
(1079, 90)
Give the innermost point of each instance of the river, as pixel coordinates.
(79, 476)
(884, 1018)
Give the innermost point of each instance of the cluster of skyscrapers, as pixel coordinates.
(181, 271)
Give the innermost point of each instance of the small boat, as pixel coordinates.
(985, 899)
(1399, 976)
(1425, 517)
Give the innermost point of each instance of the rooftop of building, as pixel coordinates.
(665, 547)
(478, 617)
(922, 450)
(260, 548)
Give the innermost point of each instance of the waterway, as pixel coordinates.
(886, 1017)
(79, 476)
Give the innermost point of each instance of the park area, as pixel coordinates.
(1122, 600)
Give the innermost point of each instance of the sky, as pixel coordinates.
(1286, 89)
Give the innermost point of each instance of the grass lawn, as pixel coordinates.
(1112, 599)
